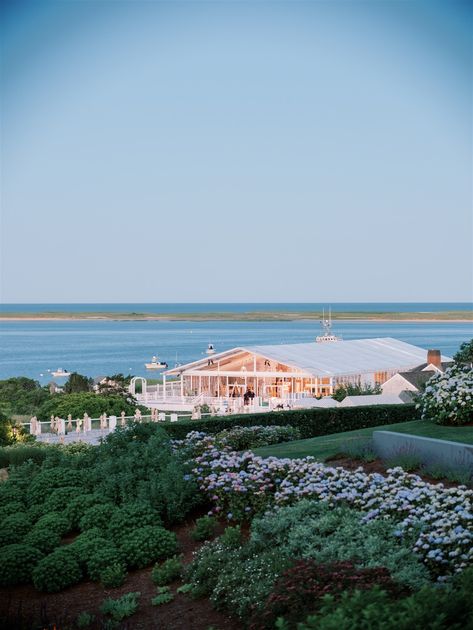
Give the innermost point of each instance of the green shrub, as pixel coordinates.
(85, 402)
(113, 575)
(79, 504)
(14, 507)
(205, 528)
(84, 620)
(46, 481)
(97, 516)
(53, 522)
(232, 536)
(310, 422)
(121, 608)
(8, 493)
(99, 559)
(59, 499)
(17, 454)
(167, 572)
(17, 563)
(446, 608)
(132, 515)
(43, 539)
(236, 579)
(359, 448)
(13, 528)
(144, 545)
(244, 438)
(163, 597)
(57, 571)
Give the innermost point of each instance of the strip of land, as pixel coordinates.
(254, 316)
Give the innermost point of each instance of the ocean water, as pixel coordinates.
(94, 348)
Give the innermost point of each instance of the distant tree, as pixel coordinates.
(21, 395)
(77, 383)
(342, 391)
(115, 384)
(465, 354)
(77, 404)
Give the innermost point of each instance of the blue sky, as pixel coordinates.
(236, 151)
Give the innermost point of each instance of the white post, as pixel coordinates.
(182, 386)
(112, 423)
(164, 386)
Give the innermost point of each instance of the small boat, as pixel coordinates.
(60, 373)
(327, 337)
(210, 349)
(156, 364)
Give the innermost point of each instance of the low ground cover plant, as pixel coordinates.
(119, 609)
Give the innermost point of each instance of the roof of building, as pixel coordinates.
(346, 357)
(372, 399)
(336, 358)
(417, 379)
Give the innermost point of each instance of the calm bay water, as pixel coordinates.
(106, 347)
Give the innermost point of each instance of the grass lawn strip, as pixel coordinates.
(329, 445)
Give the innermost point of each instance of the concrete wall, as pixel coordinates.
(429, 450)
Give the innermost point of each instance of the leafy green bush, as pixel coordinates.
(236, 579)
(342, 391)
(99, 559)
(57, 571)
(23, 395)
(14, 507)
(310, 422)
(85, 402)
(46, 481)
(113, 575)
(231, 536)
(53, 522)
(84, 620)
(17, 454)
(163, 597)
(132, 515)
(17, 562)
(359, 448)
(144, 545)
(167, 572)
(59, 499)
(43, 539)
(205, 528)
(8, 493)
(121, 608)
(244, 438)
(13, 528)
(446, 608)
(79, 504)
(97, 516)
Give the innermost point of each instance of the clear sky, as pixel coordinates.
(236, 151)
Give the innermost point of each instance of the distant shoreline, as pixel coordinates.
(413, 317)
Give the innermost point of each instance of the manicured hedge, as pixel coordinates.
(310, 422)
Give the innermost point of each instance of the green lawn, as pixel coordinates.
(329, 445)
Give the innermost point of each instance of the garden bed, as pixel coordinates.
(24, 607)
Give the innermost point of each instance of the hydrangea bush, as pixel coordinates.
(448, 397)
(241, 485)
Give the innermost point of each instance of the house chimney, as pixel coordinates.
(434, 357)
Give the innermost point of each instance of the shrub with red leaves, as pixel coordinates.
(299, 590)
